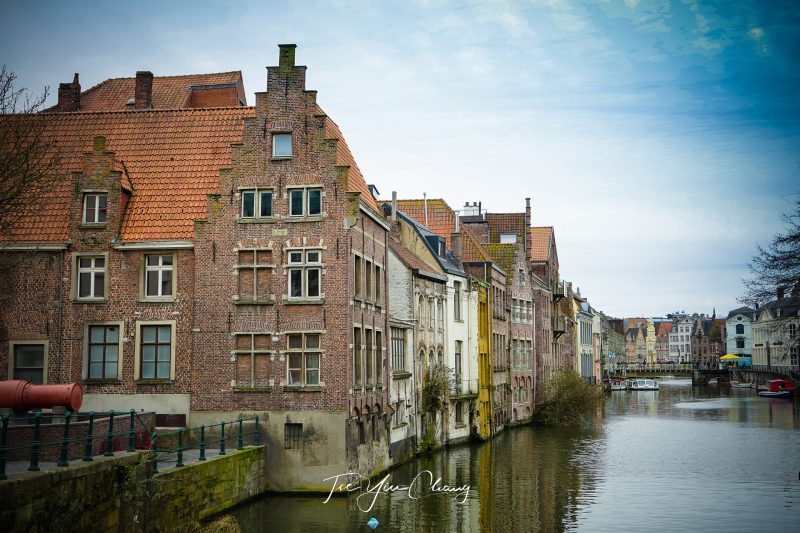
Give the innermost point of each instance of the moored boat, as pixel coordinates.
(618, 384)
(642, 384)
(741, 385)
(777, 388)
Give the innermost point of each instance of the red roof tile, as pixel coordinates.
(441, 217)
(541, 238)
(345, 157)
(169, 92)
(173, 159)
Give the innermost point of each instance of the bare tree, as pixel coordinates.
(776, 267)
(28, 157)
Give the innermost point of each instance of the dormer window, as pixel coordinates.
(508, 238)
(94, 208)
(281, 145)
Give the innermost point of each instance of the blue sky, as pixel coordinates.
(660, 139)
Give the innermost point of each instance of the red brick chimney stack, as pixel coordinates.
(143, 95)
(69, 95)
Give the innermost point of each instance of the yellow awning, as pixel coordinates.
(729, 357)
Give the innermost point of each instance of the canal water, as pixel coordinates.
(684, 458)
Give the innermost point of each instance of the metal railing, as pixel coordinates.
(44, 439)
(196, 438)
(112, 435)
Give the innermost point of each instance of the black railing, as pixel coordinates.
(40, 434)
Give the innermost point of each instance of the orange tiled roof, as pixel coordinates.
(169, 92)
(664, 328)
(541, 238)
(345, 157)
(472, 249)
(441, 217)
(172, 158)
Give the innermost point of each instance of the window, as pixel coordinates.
(792, 331)
(158, 276)
(740, 343)
(305, 267)
(357, 377)
(255, 273)
(440, 313)
(378, 280)
(28, 362)
(459, 413)
(252, 359)
(256, 204)
(508, 238)
(458, 362)
(740, 329)
(431, 314)
(379, 358)
(103, 350)
(368, 271)
(398, 349)
(457, 300)
(94, 208)
(368, 354)
(281, 145)
(91, 278)
(156, 346)
(357, 275)
(293, 436)
(305, 202)
(303, 359)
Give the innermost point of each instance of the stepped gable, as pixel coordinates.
(344, 156)
(173, 159)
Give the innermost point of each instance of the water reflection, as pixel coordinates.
(682, 458)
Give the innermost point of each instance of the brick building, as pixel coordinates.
(207, 259)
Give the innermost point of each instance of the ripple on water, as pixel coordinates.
(717, 403)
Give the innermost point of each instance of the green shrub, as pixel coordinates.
(569, 400)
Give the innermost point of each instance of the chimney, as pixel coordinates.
(796, 289)
(143, 95)
(286, 57)
(69, 95)
(456, 245)
(394, 206)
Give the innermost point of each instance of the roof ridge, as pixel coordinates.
(187, 110)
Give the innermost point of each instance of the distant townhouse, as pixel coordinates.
(776, 334)
(663, 330)
(740, 333)
(585, 354)
(680, 339)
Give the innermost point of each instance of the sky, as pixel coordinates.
(660, 139)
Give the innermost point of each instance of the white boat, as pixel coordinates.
(741, 385)
(642, 384)
(618, 384)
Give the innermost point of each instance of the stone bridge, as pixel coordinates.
(747, 375)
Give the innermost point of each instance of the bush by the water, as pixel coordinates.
(569, 400)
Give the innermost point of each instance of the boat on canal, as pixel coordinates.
(741, 385)
(642, 384)
(777, 388)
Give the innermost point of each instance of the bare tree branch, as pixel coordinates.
(28, 158)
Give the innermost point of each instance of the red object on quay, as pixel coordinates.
(22, 396)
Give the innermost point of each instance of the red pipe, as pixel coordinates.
(22, 396)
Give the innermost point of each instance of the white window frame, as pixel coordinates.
(93, 270)
(258, 196)
(305, 201)
(87, 342)
(96, 195)
(282, 135)
(305, 267)
(160, 269)
(13, 344)
(137, 371)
